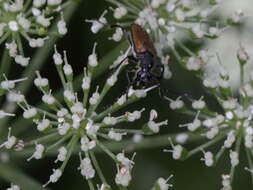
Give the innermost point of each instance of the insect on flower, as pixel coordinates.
(148, 69)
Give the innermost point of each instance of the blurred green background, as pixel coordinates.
(150, 163)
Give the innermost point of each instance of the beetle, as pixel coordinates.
(148, 70)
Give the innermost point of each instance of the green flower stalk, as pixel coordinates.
(75, 125)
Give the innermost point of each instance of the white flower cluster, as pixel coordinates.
(75, 124)
(167, 19)
(232, 126)
(30, 22)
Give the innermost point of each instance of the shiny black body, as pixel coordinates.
(148, 69)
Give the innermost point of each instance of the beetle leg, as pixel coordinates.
(159, 76)
(125, 32)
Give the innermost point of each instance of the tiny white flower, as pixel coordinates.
(163, 183)
(123, 177)
(38, 3)
(155, 127)
(12, 47)
(11, 141)
(29, 113)
(43, 125)
(78, 108)
(237, 16)
(54, 177)
(208, 158)
(92, 59)
(86, 144)
(48, 99)
(62, 154)
(210, 83)
(137, 138)
(23, 22)
(176, 104)
(15, 97)
(69, 95)
(41, 19)
(108, 120)
(234, 158)
(212, 132)
(39, 42)
(198, 104)
(181, 138)
(41, 82)
(86, 82)
(180, 15)
(23, 61)
(13, 187)
(92, 129)
(87, 169)
(134, 115)
(94, 98)
(193, 64)
(39, 150)
(57, 57)
(64, 128)
(226, 182)
(67, 69)
(13, 26)
(177, 150)
(230, 139)
(98, 24)
(115, 136)
(122, 100)
(119, 12)
(53, 2)
(35, 11)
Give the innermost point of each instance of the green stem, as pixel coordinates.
(4, 67)
(105, 149)
(176, 54)
(187, 50)
(98, 169)
(250, 162)
(241, 74)
(52, 116)
(43, 139)
(20, 46)
(115, 107)
(91, 186)
(61, 75)
(132, 131)
(128, 145)
(26, 6)
(219, 154)
(58, 143)
(201, 147)
(4, 37)
(71, 146)
(5, 63)
(237, 149)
